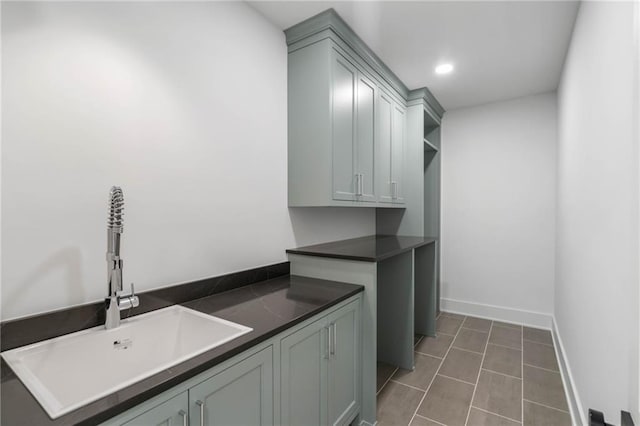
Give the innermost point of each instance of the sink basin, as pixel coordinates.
(70, 371)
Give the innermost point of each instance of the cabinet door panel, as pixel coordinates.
(365, 134)
(397, 153)
(343, 119)
(304, 377)
(343, 364)
(169, 413)
(383, 141)
(241, 395)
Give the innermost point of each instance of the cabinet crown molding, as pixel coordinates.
(333, 26)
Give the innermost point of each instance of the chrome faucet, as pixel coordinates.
(115, 301)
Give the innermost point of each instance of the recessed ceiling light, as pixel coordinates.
(444, 68)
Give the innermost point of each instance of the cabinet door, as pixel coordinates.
(303, 384)
(397, 153)
(169, 413)
(343, 115)
(241, 395)
(383, 142)
(365, 134)
(344, 392)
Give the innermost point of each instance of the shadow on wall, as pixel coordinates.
(312, 225)
(67, 261)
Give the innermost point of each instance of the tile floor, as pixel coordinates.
(476, 372)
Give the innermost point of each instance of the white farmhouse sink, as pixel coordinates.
(70, 371)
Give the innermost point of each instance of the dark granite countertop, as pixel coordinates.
(268, 307)
(373, 248)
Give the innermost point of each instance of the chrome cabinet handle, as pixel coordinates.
(201, 405)
(184, 417)
(328, 352)
(335, 339)
(359, 185)
(394, 190)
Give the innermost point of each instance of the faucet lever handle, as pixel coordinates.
(133, 293)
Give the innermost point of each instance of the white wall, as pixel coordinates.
(498, 204)
(596, 300)
(184, 106)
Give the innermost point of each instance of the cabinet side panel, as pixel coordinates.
(309, 126)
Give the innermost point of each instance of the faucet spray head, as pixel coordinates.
(116, 210)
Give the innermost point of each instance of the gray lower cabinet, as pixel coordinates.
(319, 370)
(173, 412)
(308, 375)
(239, 396)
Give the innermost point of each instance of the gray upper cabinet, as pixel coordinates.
(333, 125)
(390, 142)
(320, 371)
(398, 141)
(238, 396)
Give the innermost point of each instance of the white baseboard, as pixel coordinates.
(498, 313)
(573, 398)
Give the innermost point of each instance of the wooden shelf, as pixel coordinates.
(428, 146)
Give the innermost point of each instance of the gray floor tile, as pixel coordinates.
(507, 324)
(479, 324)
(544, 387)
(471, 340)
(540, 355)
(451, 315)
(503, 360)
(425, 368)
(538, 335)
(461, 365)
(421, 421)
(436, 346)
(538, 415)
(482, 418)
(448, 325)
(383, 373)
(499, 394)
(397, 403)
(511, 337)
(447, 401)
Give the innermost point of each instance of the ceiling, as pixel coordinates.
(501, 50)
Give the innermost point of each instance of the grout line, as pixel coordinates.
(475, 387)
(387, 381)
(435, 375)
(457, 380)
(431, 420)
(540, 368)
(522, 373)
(432, 356)
(409, 386)
(546, 406)
(502, 374)
(467, 350)
(511, 326)
(496, 414)
(533, 341)
(418, 342)
(475, 329)
(442, 332)
(505, 346)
